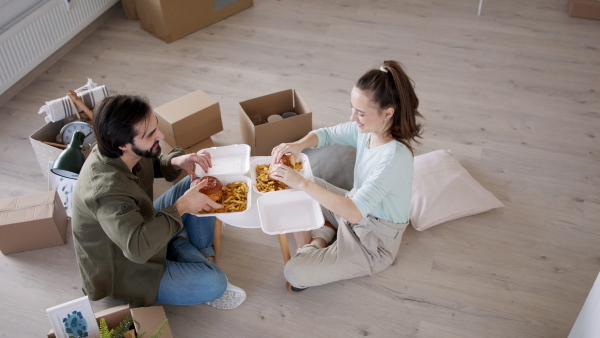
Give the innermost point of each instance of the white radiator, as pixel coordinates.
(38, 35)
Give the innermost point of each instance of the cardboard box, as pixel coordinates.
(46, 153)
(261, 135)
(189, 119)
(208, 143)
(587, 9)
(32, 222)
(170, 20)
(147, 319)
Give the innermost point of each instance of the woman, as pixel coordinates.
(363, 227)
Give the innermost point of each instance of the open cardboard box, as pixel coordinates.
(263, 136)
(189, 119)
(147, 319)
(47, 153)
(170, 20)
(32, 222)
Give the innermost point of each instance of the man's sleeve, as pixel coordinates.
(122, 221)
(163, 167)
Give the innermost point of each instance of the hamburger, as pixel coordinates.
(288, 160)
(213, 188)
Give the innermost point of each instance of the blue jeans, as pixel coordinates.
(189, 278)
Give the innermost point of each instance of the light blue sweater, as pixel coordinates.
(382, 176)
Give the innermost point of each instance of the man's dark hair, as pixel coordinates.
(114, 120)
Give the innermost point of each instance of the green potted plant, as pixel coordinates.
(125, 329)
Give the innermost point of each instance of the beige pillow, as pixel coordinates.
(443, 191)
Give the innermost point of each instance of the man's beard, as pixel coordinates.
(150, 153)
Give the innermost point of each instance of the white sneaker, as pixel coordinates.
(231, 298)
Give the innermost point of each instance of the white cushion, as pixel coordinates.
(443, 191)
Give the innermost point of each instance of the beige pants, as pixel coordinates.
(360, 249)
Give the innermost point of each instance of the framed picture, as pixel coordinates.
(74, 319)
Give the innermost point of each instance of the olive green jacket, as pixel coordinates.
(120, 240)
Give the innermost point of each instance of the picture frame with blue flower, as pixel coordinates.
(74, 319)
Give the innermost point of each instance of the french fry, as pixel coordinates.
(266, 184)
(235, 198)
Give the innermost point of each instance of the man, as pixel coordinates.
(126, 245)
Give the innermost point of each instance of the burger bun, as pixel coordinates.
(213, 188)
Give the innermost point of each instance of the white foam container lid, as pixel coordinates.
(287, 211)
(306, 172)
(226, 179)
(227, 160)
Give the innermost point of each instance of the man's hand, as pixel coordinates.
(188, 162)
(193, 201)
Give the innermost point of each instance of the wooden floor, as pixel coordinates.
(514, 93)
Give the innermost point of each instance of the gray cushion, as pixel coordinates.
(334, 164)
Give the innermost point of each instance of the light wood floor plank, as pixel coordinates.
(513, 93)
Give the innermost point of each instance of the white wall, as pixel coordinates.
(13, 10)
(587, 324)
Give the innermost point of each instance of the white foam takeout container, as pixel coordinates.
(229, 165)
(306, 171)
(286, 211)
(226, 179)
(227, 160)
(279, 212)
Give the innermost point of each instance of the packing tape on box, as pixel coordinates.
(62, 108)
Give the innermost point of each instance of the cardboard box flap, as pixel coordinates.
(261, 135)
(300, 105)
(279, 103)
(287, 130)
(22, 202)
(199, 125)
(23, 215)
(114, 315)
(185, 106)
(189, 119)
(149, 319)
(27, 208)
(32, 227)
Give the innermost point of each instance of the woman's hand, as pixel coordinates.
(188, 162)
(285, 148)
(308, 141)
(286, 175)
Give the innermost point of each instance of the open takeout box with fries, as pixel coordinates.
(232, 164)
(229, 165)
(261, 183)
